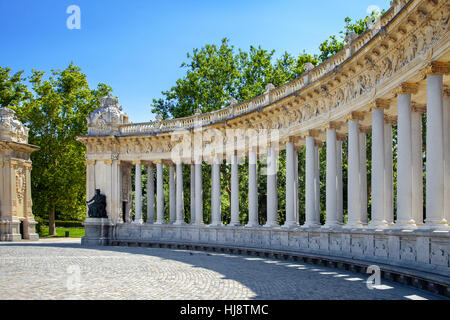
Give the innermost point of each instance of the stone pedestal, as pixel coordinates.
(98, 232)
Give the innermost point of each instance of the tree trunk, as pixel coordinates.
(51, 219)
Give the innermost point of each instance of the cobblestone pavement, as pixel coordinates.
(62, 269)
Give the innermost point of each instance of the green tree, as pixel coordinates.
(13, 90)
(55, 114)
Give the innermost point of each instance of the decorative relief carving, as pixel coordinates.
(20, 184)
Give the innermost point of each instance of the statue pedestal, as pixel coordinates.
(98, 232)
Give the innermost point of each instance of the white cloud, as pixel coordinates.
(373, 8)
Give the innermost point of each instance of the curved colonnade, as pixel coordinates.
(389, 76)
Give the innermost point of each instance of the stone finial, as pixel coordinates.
(197, 112)
(350, 37)
(108, 117)
(269, 87)
(159, 118)
(11, 128)
(308, 66)
(233, 102)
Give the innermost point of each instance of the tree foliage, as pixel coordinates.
(55, 112)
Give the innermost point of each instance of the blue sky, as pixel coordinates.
(137, 46)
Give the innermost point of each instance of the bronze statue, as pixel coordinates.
(97, 205)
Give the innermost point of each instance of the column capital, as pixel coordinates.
(312, 133)
(380, 104)
(107, 162)
(160, 161)
(446, 92)
(1, 164)
(341, 136)
(365, 129)
(418, 108)
(391, 120)
(407, 88)
(355, 115)
(333, 125)
(135, 162)
(437, 67)
(90, 162)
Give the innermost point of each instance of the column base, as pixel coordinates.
(435, 225)
(407, 225)
(378, 225)
(354, 225)
(311, 225)
(140, 221)
(290, 225)
(271, 225)
(235, 224)
(215, 225)
(333, 225)
(179, 223)
(252, 225)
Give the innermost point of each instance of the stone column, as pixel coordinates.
(272, 191)
(216, 213)
(331, 179)
(447, 153)
(404, 160)
(340, 188)
(234, 191)
(317, 184)
(252, 189)
(290, 185)
(138, 192)
(363, 173)
(354, 185)
(198, 193)
(159, 193)
(179, 195)
(310, 198)
(378, 218)
(435, 217)
(417, 164)
(296, 204)
(150, 194)
(192, 187)
(388, 171)
(172, 194)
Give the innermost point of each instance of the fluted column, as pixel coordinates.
(252, 189)
(138, 192)
(296, 204)
(447, 154)
(198, 193)
(290, 185)
(417, 164)
(150, 194)
(388, 172)
(216, 214)
(377, 218)
(272, 191)
(354, 185)
(435, 216)
(234, 191)
(192, 189)
(310, 198)
(331, 179)
(159, 193)
(179, 195)
(404, 160)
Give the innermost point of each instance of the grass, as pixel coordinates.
(60, 232)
